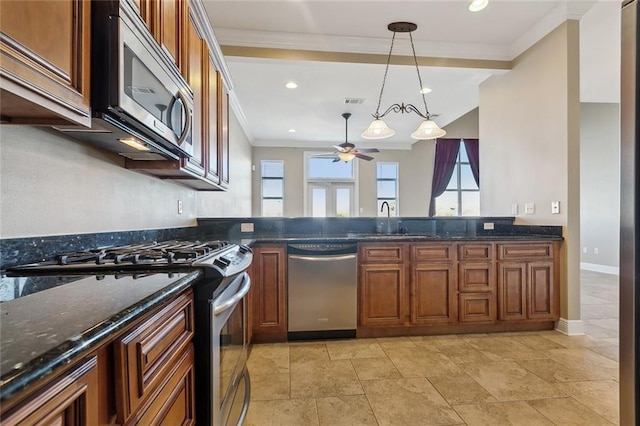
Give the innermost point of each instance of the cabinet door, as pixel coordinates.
(476, 276)
(377, 253)
(540, 291)
(166, 25)
(223, 125)
(214, 145)
(45, 61)
(433, 299)
(270, 293)
(476, 307)
(197, 54)
(71, 399)
(512, 281)
(382, 296)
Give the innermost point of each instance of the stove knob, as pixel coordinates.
(221, 263)
(244, 249)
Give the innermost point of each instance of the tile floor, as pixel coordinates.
(532, 378)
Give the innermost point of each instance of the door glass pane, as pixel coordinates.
(464, 158)
(386, 189)
(453, 183)
(387, 171)
(470, 203)
(447, 204)
(272, 188)
(343, 202)
(272, 208)
(325, 168)
(272, 169)
(466, 177)
(318, 202)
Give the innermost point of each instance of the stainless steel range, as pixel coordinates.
(222, 379)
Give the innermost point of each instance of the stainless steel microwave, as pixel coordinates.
(141, 106)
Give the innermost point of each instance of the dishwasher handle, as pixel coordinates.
(322, 258)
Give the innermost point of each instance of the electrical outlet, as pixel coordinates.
(555, 207)
(246, 227)
(529, 208)
(180, 209)
(596, 250)
(488, 226)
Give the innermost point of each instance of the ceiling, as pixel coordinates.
(336, 50)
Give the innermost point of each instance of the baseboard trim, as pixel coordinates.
(570, 327)
(605, 269)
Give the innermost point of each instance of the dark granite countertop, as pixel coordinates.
(42, 332)
(364, 238)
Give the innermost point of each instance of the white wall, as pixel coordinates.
(414, 180)
(600, 183)
(529, 133)
(51, 184)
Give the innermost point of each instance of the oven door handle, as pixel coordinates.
(233, 300)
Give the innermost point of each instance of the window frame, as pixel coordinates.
(271, 178)
(331, 184)
(458, 175)
(397, 188)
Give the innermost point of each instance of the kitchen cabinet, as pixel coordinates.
(141, 375)
(223, 146)
(527, 282)
(476, 283)
(269, 293)
(382, 285)
(433, 284)
(44, 79)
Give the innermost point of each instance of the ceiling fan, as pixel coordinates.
(347, 151)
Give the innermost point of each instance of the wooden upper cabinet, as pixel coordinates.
(167, 26)
(70, 400)
(214, 83)
(223, 125)
(45, 64)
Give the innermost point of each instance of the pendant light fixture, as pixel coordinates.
(378, 129)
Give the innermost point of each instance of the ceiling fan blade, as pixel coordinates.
(336, 160)
(339, 148)
(368, 150)
(364, 157)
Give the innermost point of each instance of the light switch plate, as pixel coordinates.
(514, 209)
(246, 227)
(555, 207)
(529, 208)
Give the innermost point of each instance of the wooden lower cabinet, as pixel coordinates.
(268, 294)
(433, 294)
(527, 291)
(476, 307)
(71, 399)
(382, 295)
(144, 375)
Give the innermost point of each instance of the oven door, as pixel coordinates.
(150, 88)
(229, 350)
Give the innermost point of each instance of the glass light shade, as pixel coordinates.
(478, 5)
(428, 130)
(378, 130)
(346, 156)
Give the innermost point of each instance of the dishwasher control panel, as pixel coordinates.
(322, 248)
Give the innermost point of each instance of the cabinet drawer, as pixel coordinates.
(476, 277)
(525, 251)
(476, 307)
(389, 253)
(432, 252)
(143, 356)
(467, 252)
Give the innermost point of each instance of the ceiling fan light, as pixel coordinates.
(478, 5)
(346, 156)
(378, 129)
(428, 129)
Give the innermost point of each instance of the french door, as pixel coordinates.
(330, 199)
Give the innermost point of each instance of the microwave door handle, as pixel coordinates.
(233, 300)
(189, 116)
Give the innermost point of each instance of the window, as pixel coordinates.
(272, 188)
(330, 187)
(462, 196)
(387, 183)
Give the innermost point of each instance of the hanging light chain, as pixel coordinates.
(415, 59)
(384, 79)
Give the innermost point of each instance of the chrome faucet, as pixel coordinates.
(384, 203)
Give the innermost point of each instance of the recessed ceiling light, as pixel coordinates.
(291, 85)
(425, 90)
(292, 130)
(478, 5)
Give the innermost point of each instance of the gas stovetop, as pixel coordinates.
(155, 255)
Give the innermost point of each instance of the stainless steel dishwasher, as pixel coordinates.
(323, 291)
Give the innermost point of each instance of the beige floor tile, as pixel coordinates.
(508, 381)
(502, 348)
(600, 396)
(568, 412)
(575, 341)
(269, 359)
(324, 378)
(375, 368)
(611, 352)
(419, 362)
(594, 366)
(551, 371)
(300, 353)
(460, 351)
(407, 402)
(269, 386)
(516, 413)
(537, 342)
(345, 411)
(395, 342)
(609, 310)
(350, 349)
(290, 412)
(461, 389)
